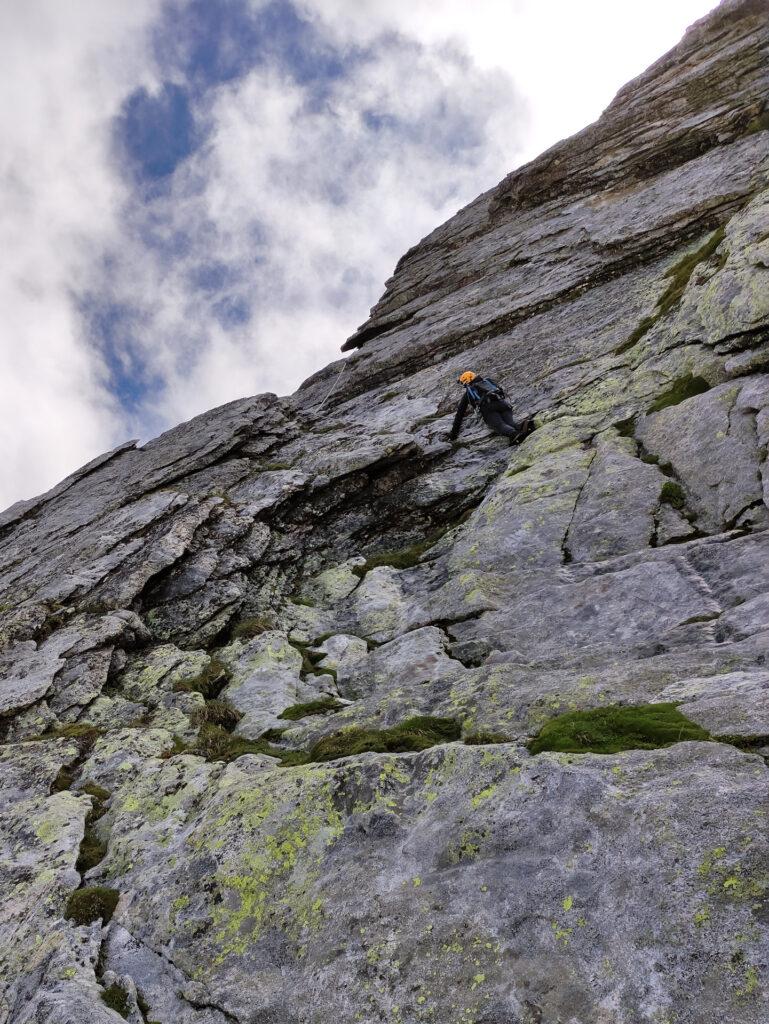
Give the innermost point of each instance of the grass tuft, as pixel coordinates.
(403, 558)
(672, 493)
(418, 733)
(215, 743)
(679, 276)
(209, 682)
(247, 629)
(217, 712)
(611, 730)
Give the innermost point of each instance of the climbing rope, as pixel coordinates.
(333, 386)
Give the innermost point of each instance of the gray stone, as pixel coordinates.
(286, 550)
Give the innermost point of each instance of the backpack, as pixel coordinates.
(483, 388)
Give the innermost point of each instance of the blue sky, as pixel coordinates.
(203, 198)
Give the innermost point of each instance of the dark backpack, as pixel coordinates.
(483, 388)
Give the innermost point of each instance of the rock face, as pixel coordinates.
(164, 606)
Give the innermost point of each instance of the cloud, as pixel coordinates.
(66, 67)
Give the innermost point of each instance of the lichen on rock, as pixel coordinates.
(308, 715)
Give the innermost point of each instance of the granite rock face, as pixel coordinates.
(179, 619)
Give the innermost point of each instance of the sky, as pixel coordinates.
(202, 199)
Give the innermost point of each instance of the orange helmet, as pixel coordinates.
(467, 377)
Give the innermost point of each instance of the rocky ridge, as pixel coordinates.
(172, 613)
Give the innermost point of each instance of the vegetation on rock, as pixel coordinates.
(609, 730)
(210, 681)
(313, 707)
(680, 390)
(92, 903)
(116, 998)
(417, 733)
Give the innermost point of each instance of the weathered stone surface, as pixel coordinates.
(272, 553)
(421, 872)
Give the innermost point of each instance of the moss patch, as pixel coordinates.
(683, 388)
(92, 903)
(93, 847)
(681, 273)
(97, 792)
(116, 998)
(402, 558)
(92, 851)
(613, 729)
(313, 707)
(418, 733)
(477, 739)
(673, 494)
(679, 276)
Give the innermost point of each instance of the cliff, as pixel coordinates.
(271, 685)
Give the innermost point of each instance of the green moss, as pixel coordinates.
(87, 734)
(310, 661)
(97, 792)
(313, 707)
(91, 903)
(609, 730)
(758, 124)
(116, 998)
(418, 733)
(626, 428)
(482, 738)
(209, 682)
(305, 602)
(403, 558)
(683, 388)
(679, 276)
(643, 328)
(93, 850)
(681, 273)
(672, 493)
(64, 779)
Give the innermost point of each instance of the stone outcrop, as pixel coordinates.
(189, 627)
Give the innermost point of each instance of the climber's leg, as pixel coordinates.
(494, 417)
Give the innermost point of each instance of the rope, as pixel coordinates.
(333, 386)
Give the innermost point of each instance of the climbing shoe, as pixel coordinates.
(524, 429)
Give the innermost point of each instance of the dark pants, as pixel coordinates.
(499, 416)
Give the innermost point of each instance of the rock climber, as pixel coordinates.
(488, 399)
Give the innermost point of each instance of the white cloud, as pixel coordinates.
(567, 58)
(64, 67)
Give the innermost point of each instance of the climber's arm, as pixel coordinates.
(459, 416)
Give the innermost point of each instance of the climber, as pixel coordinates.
(488, 399)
